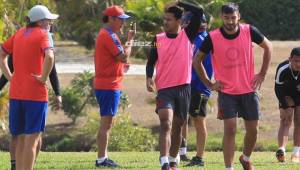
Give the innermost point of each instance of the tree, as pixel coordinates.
(80, 20)
(3, 110)
(77, 97)
(13, 13)
(275, 18)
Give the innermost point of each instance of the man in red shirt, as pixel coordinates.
(110, 58)
(33, 61)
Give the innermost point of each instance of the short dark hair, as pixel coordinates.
(230, 8)
(30, 24)
(295, 51)
(177, 11)
(105, 19)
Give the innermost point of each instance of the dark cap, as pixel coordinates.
(295, 51)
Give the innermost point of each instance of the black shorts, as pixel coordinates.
(198, 104)
(283, 103)
(175, 98)
(243, 105)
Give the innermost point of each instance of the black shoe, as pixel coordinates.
(166, 166)
(196, 161)
(107, 163)
(184, 158)
(280, 155)
(13, 164)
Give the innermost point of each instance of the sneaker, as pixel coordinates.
(295, 159)
(196, 161)
(184, 158)
(165, 167)
(13, 165)
(246, 164)
(107, 163)
(173, 166)
(280, 155)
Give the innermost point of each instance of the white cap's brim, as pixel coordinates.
(124, 16)
(52, 16)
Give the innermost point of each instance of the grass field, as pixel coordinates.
(143, 115)
(144, 160)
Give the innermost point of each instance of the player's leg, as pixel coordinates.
(296, 151)
(198, 113)
(108, 101)
(286, 117)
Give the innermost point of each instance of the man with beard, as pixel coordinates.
(172, 57)
(236, 83)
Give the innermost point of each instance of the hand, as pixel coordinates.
(39, 78)
(150, 85)
(58, 101)
(217, 86)
(289, 101)
(257, 81)
(131, 32)
(9, 78)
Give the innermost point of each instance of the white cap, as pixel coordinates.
(40, 12)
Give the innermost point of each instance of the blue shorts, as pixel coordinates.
(27, 117)
(108, 101)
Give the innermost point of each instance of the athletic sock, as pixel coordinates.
(163, 160)
(246, 158)
(182, 151)
(296, 150)
(230, 168)
(183, 146)
(172, 159)
(100, 160)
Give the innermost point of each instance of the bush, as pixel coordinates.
(127, 137)
(77, 97)
(4, 101)
(67, 143)
(275, 18)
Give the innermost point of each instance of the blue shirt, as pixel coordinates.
(51, 42)
(196, 83)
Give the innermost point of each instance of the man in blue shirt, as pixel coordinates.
(199, 98)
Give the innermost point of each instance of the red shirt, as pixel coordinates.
(108, 69)
(27, 46)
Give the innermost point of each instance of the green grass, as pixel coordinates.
(214, 143)
(144, 160)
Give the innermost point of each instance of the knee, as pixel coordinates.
(200, 127)
(202, 132)
(105, 127)
(166, 126)
(231, 130)
(286, 122)
(252, 131)
(30, 146)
